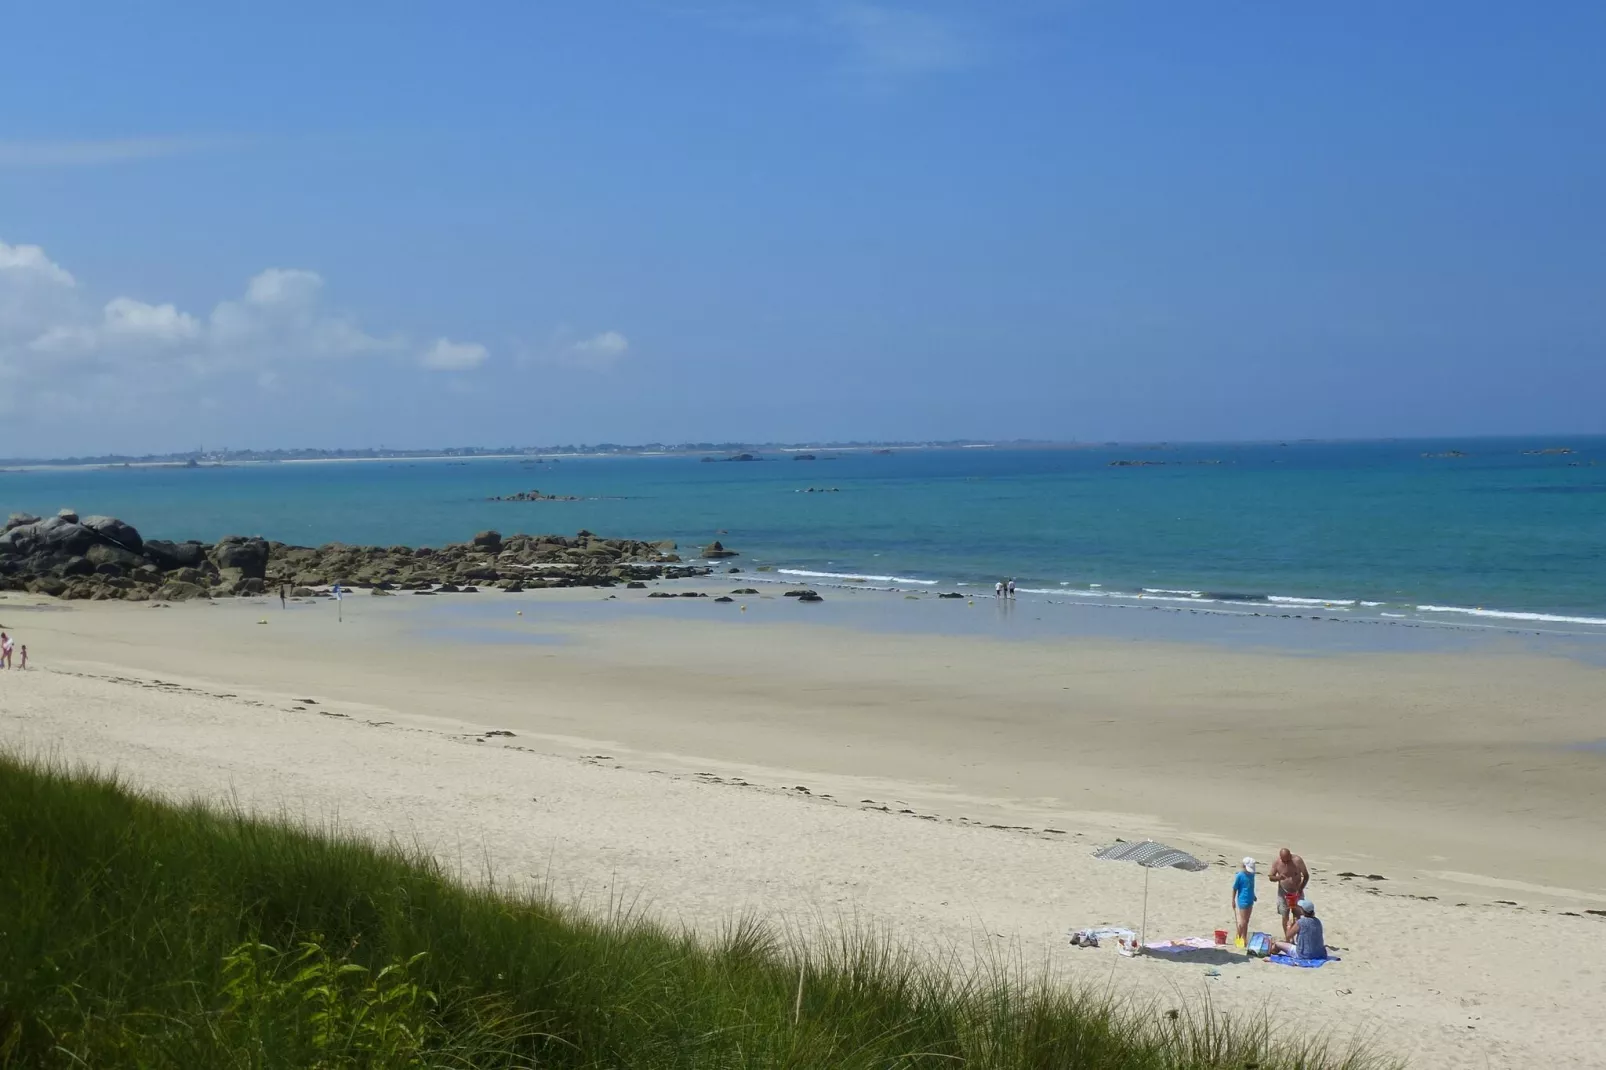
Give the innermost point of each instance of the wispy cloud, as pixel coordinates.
(878, 41)
(449, 356)
(598, 352)
(50, 154)
(900, 43)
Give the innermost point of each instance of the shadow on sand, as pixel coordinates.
(1202, 956)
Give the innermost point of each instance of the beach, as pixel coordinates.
(701, 764)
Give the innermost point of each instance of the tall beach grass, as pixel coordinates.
(135, 933)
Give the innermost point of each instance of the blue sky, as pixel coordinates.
(420, 224)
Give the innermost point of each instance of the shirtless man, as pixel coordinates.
(1291, 876)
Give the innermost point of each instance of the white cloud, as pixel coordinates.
(127, 318)
(449, 356)
(282, 311)
(284, 286)
(62, 352)
(36, 294)
(607, 346)
(599, 352)
(30, 260)
(42, 154)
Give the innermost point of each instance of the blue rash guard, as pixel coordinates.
(1243, 889)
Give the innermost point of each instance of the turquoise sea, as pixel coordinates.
(1501, 533)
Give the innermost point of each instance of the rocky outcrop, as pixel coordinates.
(1154, 464)
(532, 496)
(114, 531)
(716, 549)
(106, 558)
(242, 557)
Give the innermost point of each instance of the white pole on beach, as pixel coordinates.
(1144, 924)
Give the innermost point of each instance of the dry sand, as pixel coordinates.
(1453, 776)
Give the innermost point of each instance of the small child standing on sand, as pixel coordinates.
(1243, 901)
(24, 664)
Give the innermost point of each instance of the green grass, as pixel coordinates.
(134, 933)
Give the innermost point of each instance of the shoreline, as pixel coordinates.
(663, 762)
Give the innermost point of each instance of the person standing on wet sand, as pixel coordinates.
(282, 603)
(24, 664)
(1009, 589)
(998, 589)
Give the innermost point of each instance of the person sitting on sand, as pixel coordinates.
(1291, 875)
(1243, 900)
(1309, 942)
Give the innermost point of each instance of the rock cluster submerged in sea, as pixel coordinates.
(533, 496)
(103, 558)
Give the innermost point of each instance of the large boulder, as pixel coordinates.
(114, 531)
(489, 540)
(171, 555)
(716, 549)
(55, 535)
(106, 554)
(17, 520)
(179, 591)
(250, 556)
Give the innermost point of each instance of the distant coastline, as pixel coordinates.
(225, 458)
(229, 458)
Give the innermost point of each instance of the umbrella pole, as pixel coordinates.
(1144, 925)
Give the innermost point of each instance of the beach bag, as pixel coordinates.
(1260, 945)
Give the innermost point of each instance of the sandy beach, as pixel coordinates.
(703, 763)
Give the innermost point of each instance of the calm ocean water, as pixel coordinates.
(1496, 535)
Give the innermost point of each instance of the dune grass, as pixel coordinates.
(134, 933)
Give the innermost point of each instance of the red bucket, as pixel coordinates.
(1221, 937)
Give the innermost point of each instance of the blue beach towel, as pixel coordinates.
(1306, 964)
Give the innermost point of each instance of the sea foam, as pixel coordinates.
(853, 576)
(1505, 614)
